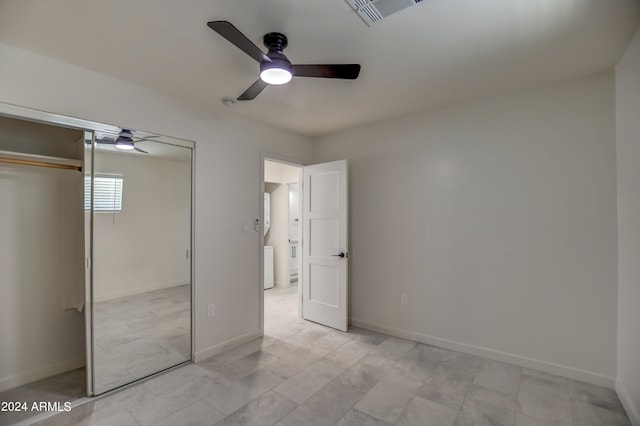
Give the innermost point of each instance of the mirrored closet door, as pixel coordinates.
(141, 250)
(98, 300)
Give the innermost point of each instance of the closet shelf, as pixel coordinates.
(39, 160)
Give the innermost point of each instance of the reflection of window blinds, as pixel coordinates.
(107, 193)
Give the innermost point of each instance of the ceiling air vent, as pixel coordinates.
(372, 11)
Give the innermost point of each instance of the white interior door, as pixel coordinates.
(325, 245)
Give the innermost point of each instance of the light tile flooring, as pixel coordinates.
(301, 373)
(65, 387)
(140, 334)
(134, 336)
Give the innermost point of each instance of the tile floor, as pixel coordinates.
(138, 335)
(65, 387)
(301, 373)
(134, 337)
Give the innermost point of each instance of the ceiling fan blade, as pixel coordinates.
(144, 138)
(232, 34)
(106, 141)
(346, 71)
(253, 91)
(140, 150)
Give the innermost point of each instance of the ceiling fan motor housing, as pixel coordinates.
(275, 41)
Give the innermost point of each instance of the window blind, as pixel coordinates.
(107, 193)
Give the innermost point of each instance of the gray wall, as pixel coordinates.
(40, 234)
(228, 148)
(628, 148)
(498, 219)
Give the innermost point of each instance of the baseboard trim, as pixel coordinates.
(521, 361)
(25, 377)
(627, 402)
(221, 347)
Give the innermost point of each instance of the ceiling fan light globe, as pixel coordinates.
(126, 146)
(275, 75)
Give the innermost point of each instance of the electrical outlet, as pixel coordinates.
(404, 299)
(211, 310)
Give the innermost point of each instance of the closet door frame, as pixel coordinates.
(88, 268)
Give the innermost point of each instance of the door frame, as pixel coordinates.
(275, 158)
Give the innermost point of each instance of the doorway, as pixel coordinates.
(315, 256)
(281, 232)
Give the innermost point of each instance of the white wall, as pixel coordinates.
(280, 173)
(273, 177)
(39, 212)
(272, 171)
(143, 247)
(35, 138)
(498, 219)
(628, 149)
(227, 269)
(277, 235)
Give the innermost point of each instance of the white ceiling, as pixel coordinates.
(434, 54)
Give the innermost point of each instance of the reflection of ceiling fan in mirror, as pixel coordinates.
(125, 140)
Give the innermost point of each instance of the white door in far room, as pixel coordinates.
(325, 244)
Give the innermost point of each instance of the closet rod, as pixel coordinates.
(39, 164)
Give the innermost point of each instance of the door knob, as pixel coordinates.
(339, 255)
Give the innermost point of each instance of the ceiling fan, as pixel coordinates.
(124, 140)
(275, 67)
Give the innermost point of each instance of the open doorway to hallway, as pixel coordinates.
(282, 236)
(316, 254)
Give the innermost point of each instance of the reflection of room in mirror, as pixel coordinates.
(149, 147)
(139, 335)
(144, 246)
(142, 266)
